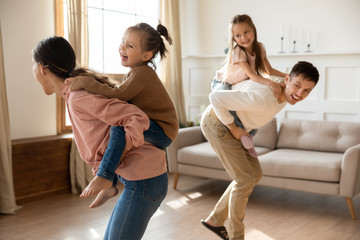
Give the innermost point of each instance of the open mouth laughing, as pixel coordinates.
(123, 57)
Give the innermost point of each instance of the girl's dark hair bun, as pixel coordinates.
(162, 30)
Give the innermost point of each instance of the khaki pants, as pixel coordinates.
(241, 167)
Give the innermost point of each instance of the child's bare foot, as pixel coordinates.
(95, 186)
(103, 196)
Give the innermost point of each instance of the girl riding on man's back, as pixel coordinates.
(246, 59)
(142, 87)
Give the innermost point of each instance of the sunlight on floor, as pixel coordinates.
(255, 234)
(158, 213)
(94, 233)
(194, 195)
(178, 203)
(182, 201)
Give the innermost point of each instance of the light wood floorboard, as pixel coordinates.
(271, 214)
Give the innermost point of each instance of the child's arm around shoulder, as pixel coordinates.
(136, 81)
(275, 87)
(90, 84)
(273, 71)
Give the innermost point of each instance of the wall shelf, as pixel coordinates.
(335, 98)
(312, 54)
(286, 54)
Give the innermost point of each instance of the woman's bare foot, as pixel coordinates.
(103, 196)
(95, 186)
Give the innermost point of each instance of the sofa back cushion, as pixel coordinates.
(266, 136)
(318, 135)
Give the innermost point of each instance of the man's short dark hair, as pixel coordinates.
(306, 69)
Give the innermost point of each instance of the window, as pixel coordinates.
(107, 21)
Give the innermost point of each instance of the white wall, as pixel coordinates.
(334, 24)
(23, 25)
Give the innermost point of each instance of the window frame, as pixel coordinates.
(61, 126)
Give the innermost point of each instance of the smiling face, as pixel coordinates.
(131, 51)
(297, 89)
(244, 35)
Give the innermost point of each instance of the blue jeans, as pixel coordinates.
(135, 207)
(117, 143)
(155, 135)
(216, 85)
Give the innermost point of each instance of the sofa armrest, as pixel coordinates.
(350, 172)
(186, 137)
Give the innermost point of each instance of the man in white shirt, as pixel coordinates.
(255, 105)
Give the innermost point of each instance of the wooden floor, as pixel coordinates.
(271, 214)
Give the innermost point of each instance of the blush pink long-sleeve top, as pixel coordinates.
(239, 55)
(91, 117)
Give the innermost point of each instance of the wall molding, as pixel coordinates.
(335, 98)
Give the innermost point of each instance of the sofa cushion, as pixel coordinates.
(301, 164)
(315, 135)
(267, 135)
(262, 150)
(201, 154)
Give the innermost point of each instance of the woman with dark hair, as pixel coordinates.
(143, 167)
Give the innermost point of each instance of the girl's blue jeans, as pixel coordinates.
(216, 85)
(136, 205)
(117, 143)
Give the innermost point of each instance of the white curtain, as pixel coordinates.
(7, 194)
(171, 70)
(78, 30)
(80, 172)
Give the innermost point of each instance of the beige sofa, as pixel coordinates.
(312, 156)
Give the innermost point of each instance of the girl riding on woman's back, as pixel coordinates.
(142, 87)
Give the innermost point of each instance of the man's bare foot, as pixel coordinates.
(95, 186)
(103, 196)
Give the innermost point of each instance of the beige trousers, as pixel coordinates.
(241, 167)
